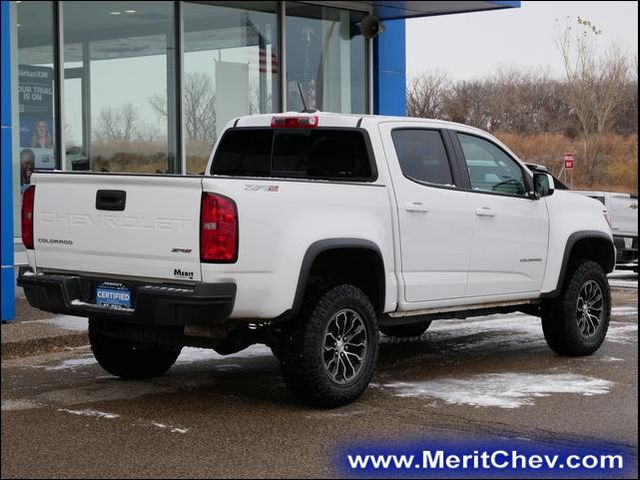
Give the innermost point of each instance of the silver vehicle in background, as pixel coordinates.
(622, 213)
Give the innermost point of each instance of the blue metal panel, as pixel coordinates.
(5, 32)
(508, 4)
(390, 70)
(7, 283)
(392, 9)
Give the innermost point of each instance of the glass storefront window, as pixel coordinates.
(119, 88)
(231, 68)
(326, 55)
(33, 72)
(120, 98)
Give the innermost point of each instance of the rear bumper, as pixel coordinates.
(153, 304)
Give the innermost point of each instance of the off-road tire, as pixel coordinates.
(302, 346)
(405, 331)
(127, 359)
(560, 318)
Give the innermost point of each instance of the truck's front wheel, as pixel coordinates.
(577, 321)
(127, 359)
(328, 354)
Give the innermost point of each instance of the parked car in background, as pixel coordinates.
(622, 213)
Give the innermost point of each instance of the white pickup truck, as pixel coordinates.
(311, 233)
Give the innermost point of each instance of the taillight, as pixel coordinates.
(218, 229)
(28, 198)
(307, 121)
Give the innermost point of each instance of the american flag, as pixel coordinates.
(274, 67)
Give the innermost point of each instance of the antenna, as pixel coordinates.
(305, 109)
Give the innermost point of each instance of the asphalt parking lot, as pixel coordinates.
(213, 416)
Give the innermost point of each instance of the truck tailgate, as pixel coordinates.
(118, 225)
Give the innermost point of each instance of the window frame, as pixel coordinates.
(462, 161)
(354, 180)
(456, 176)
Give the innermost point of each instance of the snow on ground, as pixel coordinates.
(90, 413)
(502, 390)
(623, 279)
(171, 428)
(191, 354)
(71, 363)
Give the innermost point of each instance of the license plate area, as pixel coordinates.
(113, 295)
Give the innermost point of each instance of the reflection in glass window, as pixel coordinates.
(231, 68)
(326, 54)
(34, 95)
(490, 168)
(119, 91)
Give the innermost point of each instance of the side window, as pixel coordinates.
(422, 155)
(490, 168)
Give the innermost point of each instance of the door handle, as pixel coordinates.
(485, 212)
(416, 207)
(114, 200)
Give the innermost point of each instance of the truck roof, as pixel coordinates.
(331, 119)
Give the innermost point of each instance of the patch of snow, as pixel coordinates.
(612, 359)
(512, 331)
(71, 363)
(192, 354)
(90, 413)
(623, 283)
(502, 390)
(171, 428)
(622, 333)
(624, 311)
(18, 404)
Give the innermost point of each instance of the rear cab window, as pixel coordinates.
(422, 156)
(317, 154)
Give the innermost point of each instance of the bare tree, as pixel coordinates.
(117, 123)
(426, 95)
(199, 106)
(594, 87)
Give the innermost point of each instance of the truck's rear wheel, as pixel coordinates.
(405, 331)
(127, 359)
(577, 321)
(329, 353)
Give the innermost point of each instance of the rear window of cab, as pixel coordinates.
(305, 153)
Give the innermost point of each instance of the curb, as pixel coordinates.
(43, 345)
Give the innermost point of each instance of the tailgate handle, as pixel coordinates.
(114, 200)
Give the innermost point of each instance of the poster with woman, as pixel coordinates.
(35, 89)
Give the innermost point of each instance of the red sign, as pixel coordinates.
(569, 161)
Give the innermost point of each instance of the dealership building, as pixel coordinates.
(146, 86)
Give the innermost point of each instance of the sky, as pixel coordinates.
(472, 45)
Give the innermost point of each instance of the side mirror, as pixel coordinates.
(543, 185)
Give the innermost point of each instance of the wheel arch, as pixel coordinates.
(324, 254)
(588, 244)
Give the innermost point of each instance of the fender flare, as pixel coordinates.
(321, 246)
(571, 241)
